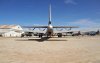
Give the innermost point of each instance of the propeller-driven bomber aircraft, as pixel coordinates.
(50, 28)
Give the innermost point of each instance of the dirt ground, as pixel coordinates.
(54, 50)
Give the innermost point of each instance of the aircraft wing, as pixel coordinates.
(47, 26)
(34, 26)
(65, 27)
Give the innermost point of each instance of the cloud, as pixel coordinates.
(70, 2)
(86, 23)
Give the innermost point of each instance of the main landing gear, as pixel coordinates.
(40, 35)
(59, 34)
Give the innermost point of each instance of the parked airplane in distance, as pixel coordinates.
(49, 32)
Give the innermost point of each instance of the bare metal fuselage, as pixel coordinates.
(49, 31)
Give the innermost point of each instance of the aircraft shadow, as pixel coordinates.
(41, 39)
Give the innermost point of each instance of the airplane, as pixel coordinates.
(50, 28)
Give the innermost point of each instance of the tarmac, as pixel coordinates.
(80, 49)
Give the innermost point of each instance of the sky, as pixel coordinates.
(82, 13)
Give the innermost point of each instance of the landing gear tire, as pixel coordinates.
(40, 35)
(59, 34)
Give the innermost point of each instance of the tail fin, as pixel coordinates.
(49, 14)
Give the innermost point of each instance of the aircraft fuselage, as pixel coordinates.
(49, 30)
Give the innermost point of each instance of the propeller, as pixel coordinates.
(42, 29)
(59, 29)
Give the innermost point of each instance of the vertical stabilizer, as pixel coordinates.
(49, 14)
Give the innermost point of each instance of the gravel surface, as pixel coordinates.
(54, 50)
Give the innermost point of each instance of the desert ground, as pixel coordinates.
(84, 49)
